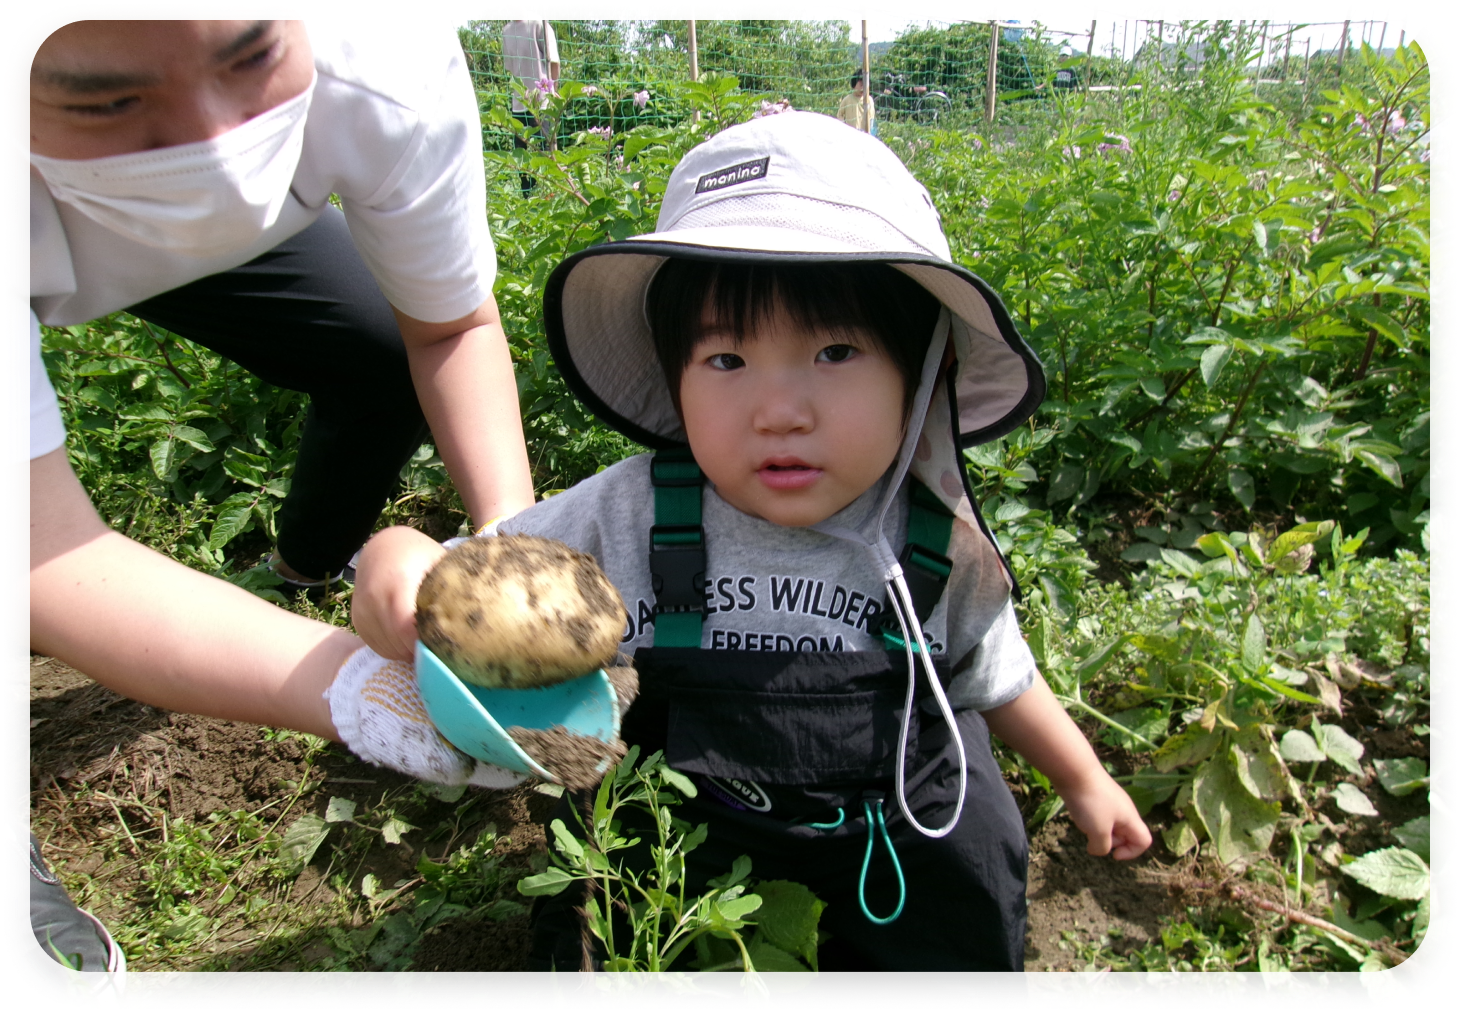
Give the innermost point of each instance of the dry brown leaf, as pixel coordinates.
(1328, 692)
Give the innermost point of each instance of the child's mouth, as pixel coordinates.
(787, 475)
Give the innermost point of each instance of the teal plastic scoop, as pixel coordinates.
(473, 718)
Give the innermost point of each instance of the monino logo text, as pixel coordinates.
(742, 173)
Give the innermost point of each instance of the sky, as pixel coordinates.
(1072, 21)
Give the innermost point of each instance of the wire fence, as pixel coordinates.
(932, 72)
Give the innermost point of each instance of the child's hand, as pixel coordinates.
(383, 607)
(1107, 817)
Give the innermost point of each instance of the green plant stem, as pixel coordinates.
(1227, 432)
(1071, 703)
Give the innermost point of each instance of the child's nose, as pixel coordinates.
(783, 406)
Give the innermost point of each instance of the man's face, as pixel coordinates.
(791, 425)
(101, 88)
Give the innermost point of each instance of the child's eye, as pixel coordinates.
(836, 353)
(725, 361)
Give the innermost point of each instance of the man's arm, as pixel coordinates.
(154, 630)
(1036, 726)
(463, 375)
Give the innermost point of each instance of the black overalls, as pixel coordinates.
(792, 753)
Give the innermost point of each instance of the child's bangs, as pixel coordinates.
(688, 298)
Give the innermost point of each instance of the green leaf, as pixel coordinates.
(1254, 643)
(1383, 983)
(1402, 776)
(739, 907)
(1179, 838)
(1392, 871)
(1214, 545)
(300, 842)
(1352, 800)
(233, 516)
(1011, 511)
(394, 829)
(679, 782)
(566, 842)
(789, 917)
(340, 810)
(1147, 721)
(1181, 562)
(164, 459)
(769, 958)
(1430, 836)
(1241, 484)
(1096, 660)
(1190, 746)
(501, 910)
(1292, 540)
(548, 883)
(739, 868)
(196, 438)
(1339, 746)
(449, 793)
(1239, 825)
(1383, 465)
(1065, 482)
(1213, 361)
(1299, 747)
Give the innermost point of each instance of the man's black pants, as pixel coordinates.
(308, 316)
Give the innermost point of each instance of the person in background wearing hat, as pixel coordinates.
(854, 109)
(822, 625)
(183, 170)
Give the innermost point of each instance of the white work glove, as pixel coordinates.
(377, 708)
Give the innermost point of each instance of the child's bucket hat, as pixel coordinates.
(797, 187)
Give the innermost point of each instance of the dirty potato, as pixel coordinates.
(517, 611)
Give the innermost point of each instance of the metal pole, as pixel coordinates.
(993, 81)
(1307, 55)
(1383, 32)
(1342, 46)
(1287, 51)
(1401, 38)
(866, 82)
(1089, 51)
(694, 53)
(1261, 49)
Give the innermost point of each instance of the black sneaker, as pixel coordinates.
(66, 949)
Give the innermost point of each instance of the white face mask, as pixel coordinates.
(202, 199)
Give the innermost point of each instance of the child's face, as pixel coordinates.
(791, 425)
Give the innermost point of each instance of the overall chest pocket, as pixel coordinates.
(779, 718)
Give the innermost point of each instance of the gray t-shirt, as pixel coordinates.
(528, 47)
(792, 588)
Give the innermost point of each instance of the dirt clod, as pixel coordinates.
(576, 760)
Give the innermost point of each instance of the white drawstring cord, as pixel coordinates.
(902, 606)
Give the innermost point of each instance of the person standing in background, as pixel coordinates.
(854, 110)
(530, 55)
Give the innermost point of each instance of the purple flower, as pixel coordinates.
(977, 143)
(772, 108)
(1396, 123)
(589, 90)
(602, 132)
(1123, 148)
(641, 98)
(546, 85)
(1072, 151)
(1173, 196)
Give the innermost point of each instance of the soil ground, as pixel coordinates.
(99, 760)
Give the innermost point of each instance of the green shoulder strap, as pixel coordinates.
(925, 563)
(677, 549)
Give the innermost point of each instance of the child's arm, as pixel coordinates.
(383, 607)
(1037, 727)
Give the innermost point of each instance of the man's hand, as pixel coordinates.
(383, 606)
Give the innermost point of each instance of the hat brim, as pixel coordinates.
(598, 331)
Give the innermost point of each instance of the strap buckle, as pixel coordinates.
(677, 567)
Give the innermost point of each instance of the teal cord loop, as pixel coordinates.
(871, 798)
(826, 827)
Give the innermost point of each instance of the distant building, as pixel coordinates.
(1173, 56)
